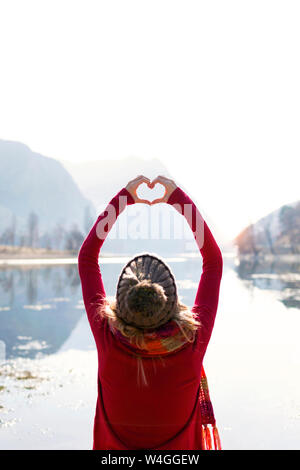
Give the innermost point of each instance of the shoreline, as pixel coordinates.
(12, 253)
(25, 252)
(28, 253)
(289, 257)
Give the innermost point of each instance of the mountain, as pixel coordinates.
(40, 203)
(276, 233)
(46, 203)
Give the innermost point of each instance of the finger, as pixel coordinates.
(157, 201)
(143, 201)
(156, 180)
(163, 178)
(138, 180)
(143, 178)
(167, 180)
(141, 181)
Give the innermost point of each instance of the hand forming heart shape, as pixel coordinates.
(167, 183)
(151, 193)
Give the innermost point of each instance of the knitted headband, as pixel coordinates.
(146, 292)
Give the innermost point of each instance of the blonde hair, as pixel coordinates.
(183, 316)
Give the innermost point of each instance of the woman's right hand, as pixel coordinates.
(169, 185)
(133, 185)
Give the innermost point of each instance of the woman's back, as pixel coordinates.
(165, 413)
(146, 416)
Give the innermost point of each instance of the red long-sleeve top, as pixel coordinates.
(166, 413)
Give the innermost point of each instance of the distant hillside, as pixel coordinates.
(45, 203)
(276, 233)
(40, 203)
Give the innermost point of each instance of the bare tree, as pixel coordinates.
(33, 232)
(74, 239)
(287, 218)
(88, 219)
(268, 236)
(13, 229)
(58, 236)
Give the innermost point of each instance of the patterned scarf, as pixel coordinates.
(164, 340)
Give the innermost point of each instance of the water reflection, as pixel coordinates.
(37, 308)
(277, 275)
(41, 305)
(41, 313)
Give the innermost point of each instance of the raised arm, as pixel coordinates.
(88, 266)
(93, 291)
(207, 296)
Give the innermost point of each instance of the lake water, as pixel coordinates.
(48, 364)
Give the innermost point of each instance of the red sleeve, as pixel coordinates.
(207, 297)
(88, 266)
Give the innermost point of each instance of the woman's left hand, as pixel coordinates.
(134, 184)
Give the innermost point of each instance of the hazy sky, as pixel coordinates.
(211, 88)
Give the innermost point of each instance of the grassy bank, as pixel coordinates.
(26, 252)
